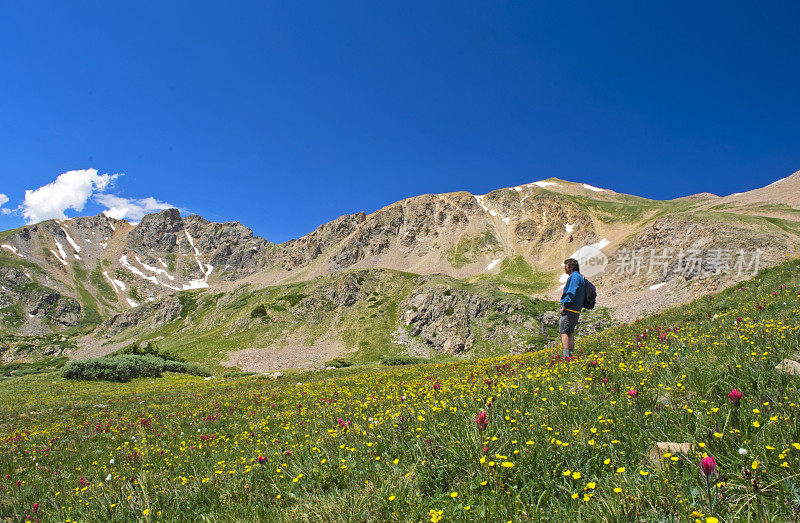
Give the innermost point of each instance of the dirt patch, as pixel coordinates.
(89, 347)
(292, 353)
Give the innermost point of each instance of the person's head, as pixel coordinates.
(571, 265)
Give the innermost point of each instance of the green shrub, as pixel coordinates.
(186, 368)
(196, 370)
(147, 348)
(259, 311)
(125, 367)
(293, 299)
(401, 360)
(339, 363)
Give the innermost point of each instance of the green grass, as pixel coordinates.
(104, 290)
(517, 276)
(468, 249)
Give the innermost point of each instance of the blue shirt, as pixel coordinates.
(574, 292)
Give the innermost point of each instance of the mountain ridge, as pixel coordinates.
(513, 238)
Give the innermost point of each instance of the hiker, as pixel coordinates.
(572, 299)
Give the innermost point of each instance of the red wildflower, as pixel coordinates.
(482, 420)
(632, 393)
(708, 466)
(735, 396)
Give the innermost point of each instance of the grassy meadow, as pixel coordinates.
(516, 438)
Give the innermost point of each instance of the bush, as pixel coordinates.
(339, 363)
(401, 360)
(259, 311)
(113, 368)
(293, 299)
(147, 348)
(125, 367)
(196, 370)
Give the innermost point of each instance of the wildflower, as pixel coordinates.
(632, 393)
(482, 421)
(35, 508)
(735, 396)
(743, 452)
(708, 466)
(262, 459)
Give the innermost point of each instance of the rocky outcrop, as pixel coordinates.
(150, 316)
(157, 232)
(27, 303)
(230, 246)
(441, 317)
(296, 253)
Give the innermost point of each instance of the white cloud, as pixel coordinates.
(3, 201)
(70, 190)
(130, 209)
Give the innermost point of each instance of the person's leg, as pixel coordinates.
(565, 345)
(571, 342)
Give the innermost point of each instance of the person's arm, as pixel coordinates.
(569, 293)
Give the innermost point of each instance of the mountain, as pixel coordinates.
(175, 278)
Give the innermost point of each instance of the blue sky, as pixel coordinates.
(286, 115)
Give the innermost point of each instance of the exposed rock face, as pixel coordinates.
(296, 253)
(548, 219)
(230, 246)
(150, 316)
(32, 305)
(441, 317)
(675, 242)
(157, 232)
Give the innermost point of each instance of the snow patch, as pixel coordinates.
(492, 264)
(563, 278)
(191, 242)
(125, 263)
(593, 188)
(518, 188)
(115, 283)
(737, 193)
(657, 286)
(103, 244)
(71, 241)
(131, 302)
(155, 269)
(506, 220)
(480, 199)
(543, 184)
(60, 249)
(493, 213)
(777, 181)
(63, 262)
(12, 249)
(570, 227)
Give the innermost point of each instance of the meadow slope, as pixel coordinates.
(517, 438)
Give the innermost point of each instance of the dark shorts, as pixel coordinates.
(568, 322)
